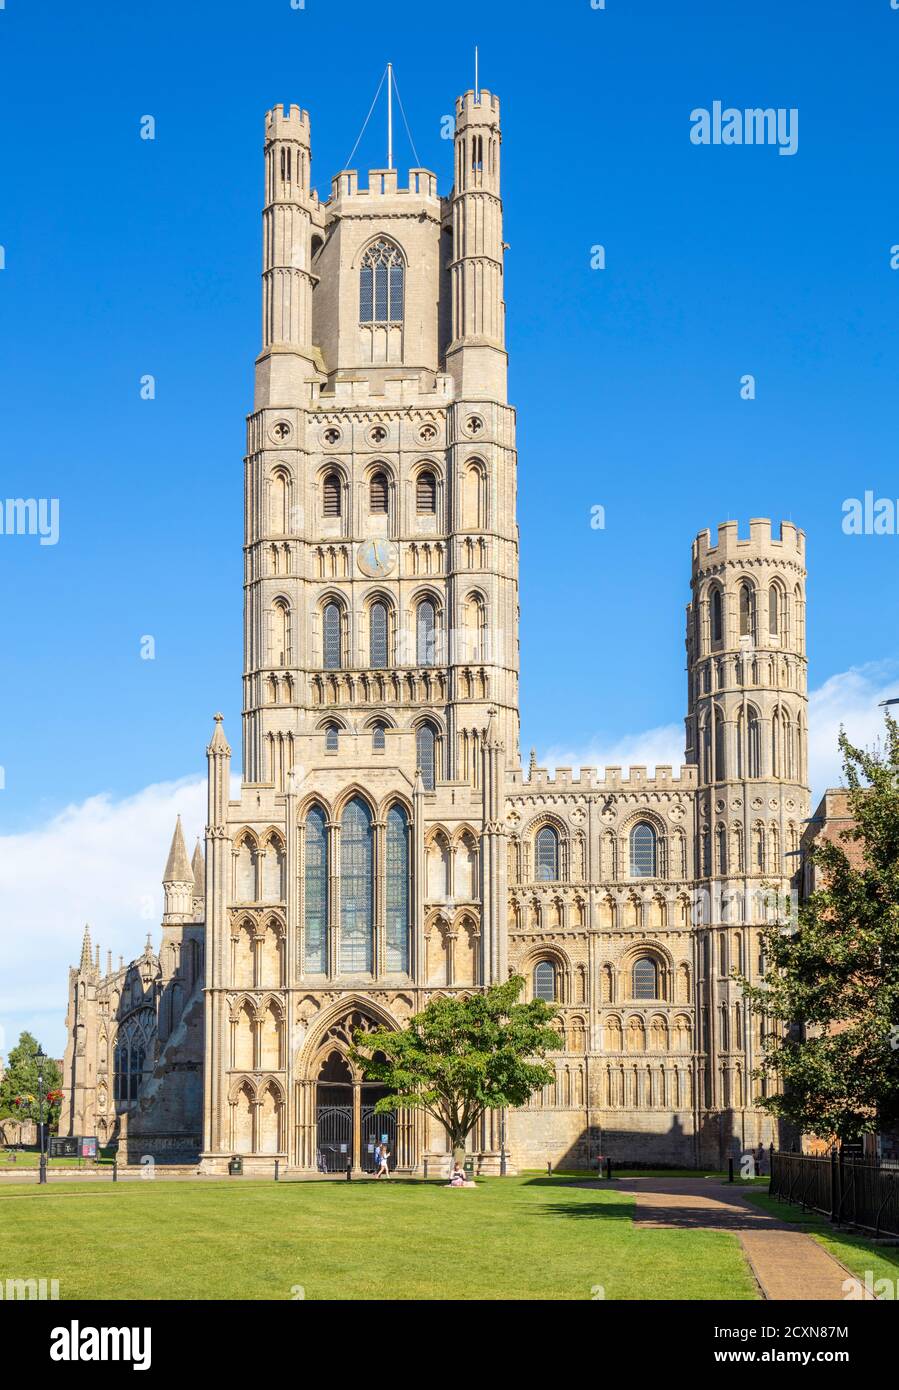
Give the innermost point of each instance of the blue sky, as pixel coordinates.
(125, 257)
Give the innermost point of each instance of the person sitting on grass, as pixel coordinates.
(457, 1176)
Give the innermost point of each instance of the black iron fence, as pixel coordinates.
(850, 1191)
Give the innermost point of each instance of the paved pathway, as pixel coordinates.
(787, 1263)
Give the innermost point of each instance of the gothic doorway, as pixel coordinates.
(334, 1115)
(376, 1128)
(348, 1129)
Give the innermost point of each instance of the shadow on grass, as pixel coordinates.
(590, 1211)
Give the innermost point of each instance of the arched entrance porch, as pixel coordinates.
(348, 1129)
(336, 1123)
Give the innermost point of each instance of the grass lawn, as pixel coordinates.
(856, 1252)
(517, 1238)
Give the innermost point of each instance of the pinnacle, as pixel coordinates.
(198, 864)
(218, 743)
(178, 869)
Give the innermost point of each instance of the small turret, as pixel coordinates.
(178, 879)
(476, 358)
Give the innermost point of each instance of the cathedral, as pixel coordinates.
(387, 843)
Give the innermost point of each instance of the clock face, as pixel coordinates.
(376, 558)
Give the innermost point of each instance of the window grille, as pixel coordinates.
(643, 851)
(356, 895)
(316, 890)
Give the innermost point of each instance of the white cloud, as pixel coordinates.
(100, 862)
(851, 699)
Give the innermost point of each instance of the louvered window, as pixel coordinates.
(377, 491)
(426, 492)
(331, 504)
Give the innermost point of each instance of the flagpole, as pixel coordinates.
(389, 115)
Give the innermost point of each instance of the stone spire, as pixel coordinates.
(85, 965)
(178, 869)
(178, 879)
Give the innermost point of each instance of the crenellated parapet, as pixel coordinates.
(730, 548)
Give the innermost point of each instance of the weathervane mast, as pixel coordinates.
(476, 73)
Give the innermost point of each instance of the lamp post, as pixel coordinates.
(42, 1172)
(889, 702)
(502, 1142)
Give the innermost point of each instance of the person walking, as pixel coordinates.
(382, 1154)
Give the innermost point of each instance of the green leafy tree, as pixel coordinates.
(462, 1056)
(836, 969)
(19, 1093)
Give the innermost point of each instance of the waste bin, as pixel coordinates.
(235, 1167)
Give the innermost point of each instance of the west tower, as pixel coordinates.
(381, 540)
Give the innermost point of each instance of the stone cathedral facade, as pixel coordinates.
(386, 843)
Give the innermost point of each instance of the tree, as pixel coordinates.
(462, 1056)
(836, 970)
(19, 1092)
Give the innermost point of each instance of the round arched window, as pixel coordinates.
(545, 981)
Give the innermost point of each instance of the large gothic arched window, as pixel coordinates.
(356, 888)
(381, 283)
(315, 897)
(397, 889)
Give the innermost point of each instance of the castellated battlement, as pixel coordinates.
(730, 545)
(290, 125)
(605, 780)
(480, 110)
(382, 183)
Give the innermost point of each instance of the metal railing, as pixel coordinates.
(849, 1191)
